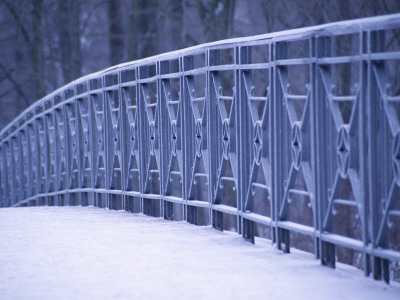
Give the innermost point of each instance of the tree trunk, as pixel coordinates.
(69, 34)
(37, 53)
(217, 18)
(143, 29)
(115, 30)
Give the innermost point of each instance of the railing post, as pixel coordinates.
(272, 142)
(323, 166)
(106, 141)
(245, 138)
(213, 140)
(90, 144)
(55, 156)
(190, 212)
(2, 186)
(184, 130)
(314, 141)
(13, 153)
(166, 208)
(78, 148)
(374, 72)
(161, 126)
(19, 168)
(51, 155)
(4, 176)
(93, 140)
(123, 140)
(42, 156)
(81, 151)
(10, 168)
(363, 141)
(280, 163)
(67, 149)
(73, 163)
(60, 146)
(140, 115)
(86, 157)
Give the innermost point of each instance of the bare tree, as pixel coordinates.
(37, 49)
(217, 18)
(69, 34)
(116, 40)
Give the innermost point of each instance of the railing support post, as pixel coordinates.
(323, 166)
(245, 139)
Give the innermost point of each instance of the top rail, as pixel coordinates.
(331, 29)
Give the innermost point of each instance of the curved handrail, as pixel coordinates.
(253, 138)
(342, 27)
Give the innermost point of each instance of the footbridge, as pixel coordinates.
(287, 134)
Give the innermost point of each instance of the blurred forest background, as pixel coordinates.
(45, 44)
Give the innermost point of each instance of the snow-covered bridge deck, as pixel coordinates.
(92, 253)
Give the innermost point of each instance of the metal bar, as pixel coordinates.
(314, 200)
(362, 133)
(299, 192)
(257, 218)
(322, 165)
(296, 227)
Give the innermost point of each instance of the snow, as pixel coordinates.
(92, 253)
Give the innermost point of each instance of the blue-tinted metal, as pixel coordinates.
(239, 133)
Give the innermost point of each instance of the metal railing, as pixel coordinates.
(296, 130)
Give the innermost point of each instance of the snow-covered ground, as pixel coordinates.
(92, 253)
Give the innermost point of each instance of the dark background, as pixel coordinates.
(45, 44)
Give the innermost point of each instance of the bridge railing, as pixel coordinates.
(297, 131)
